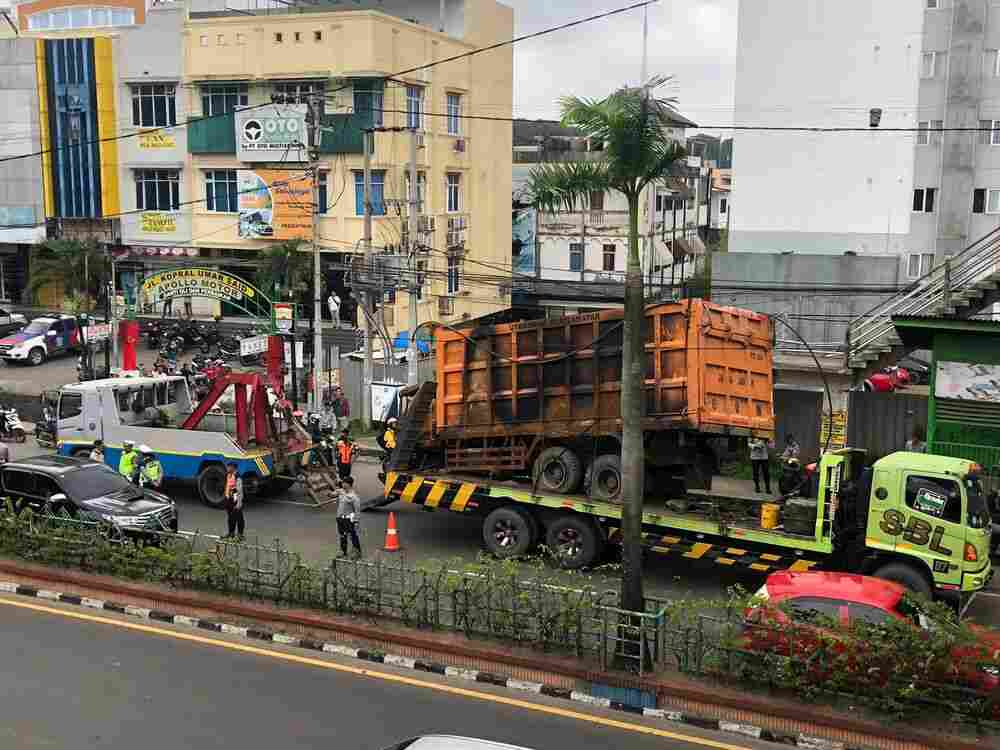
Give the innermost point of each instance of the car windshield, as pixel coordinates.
(96, 481)
(37, 327)
(978, 513)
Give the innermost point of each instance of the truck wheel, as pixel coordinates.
(557, 469)
(508, 532)
(36, 356)
(574, 541)
(212, 485)
(907, 576)
(606, 478)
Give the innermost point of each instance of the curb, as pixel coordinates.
(807, 742)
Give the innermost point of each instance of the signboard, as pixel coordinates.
(272, 133)
(253, 345)
(275, 204)
(966, 381)
(198, 282)
(839, 426)
(156, 139)
(384, 401)
(523, 232)
(283, 317)
(97, 332)
(158, 222)
(300, 357)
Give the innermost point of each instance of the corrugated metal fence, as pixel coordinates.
(882, 422)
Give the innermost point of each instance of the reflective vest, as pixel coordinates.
(390, 439)
(126, 466)
(153, 473)
(344, 451)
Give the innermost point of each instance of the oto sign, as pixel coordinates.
(275, 133)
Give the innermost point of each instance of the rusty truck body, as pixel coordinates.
(541, 399)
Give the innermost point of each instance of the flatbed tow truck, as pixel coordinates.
(917, 519)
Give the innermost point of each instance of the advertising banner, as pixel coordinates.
(971, 382)
(273, 133)
(275, 204)
(838, 425)
(158, 222)
(157, 139)
(523, 232)
(197, 282)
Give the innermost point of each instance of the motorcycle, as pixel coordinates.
(154, 334)
(13, 429)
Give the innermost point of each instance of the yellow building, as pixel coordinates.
(236, 60)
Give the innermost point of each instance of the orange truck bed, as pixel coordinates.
(708, 369)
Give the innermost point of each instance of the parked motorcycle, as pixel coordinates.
(11, 428)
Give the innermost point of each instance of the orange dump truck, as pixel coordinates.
(541, 399)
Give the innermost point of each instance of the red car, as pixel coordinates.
(797, 614)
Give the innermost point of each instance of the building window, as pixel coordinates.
(240, 39)
(222, 99)
(454, 192)
(220, 191)
(576, 256)
(389, 296)
(82, 18)
(989, 132)
(454, 114)
(298, 92)
(220, 39)
(157, 189)
(317, 36)
(377, 194)
(933, 4)
(454, 274)
(919, 264)
(926, 135)
(278, 37)
(596, 200)
(369, 100)
(986, 201)
(421, 191)
(322, 195)
(154, 105)
(298, 36)
(932, 64)
(609, 258)
(923, 200)
(414, 107)
(723, 205)
(992, 62)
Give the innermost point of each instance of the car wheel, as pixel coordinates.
(574, 541)
(212, 485)
(36, 356)
(907, 576)
(508, 532)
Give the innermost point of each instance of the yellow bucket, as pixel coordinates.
(770, 516)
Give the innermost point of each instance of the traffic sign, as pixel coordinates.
(253, 345)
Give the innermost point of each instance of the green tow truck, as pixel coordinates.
(917, 519)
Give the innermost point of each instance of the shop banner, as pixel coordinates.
(196, 282)
(274, 132)
(158, 222)
(971, 382)
(838, 425)
(157, 139)
(275, 204)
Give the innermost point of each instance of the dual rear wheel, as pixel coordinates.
(575, 541)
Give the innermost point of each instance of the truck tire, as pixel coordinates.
(906, 575)
(557, 469)
(508, 532)
(275, 486)
(212, 485)
(574, 541)
(36, 356)
(606, 478)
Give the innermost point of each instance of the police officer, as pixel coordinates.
(128, 465)
(97, 452)
(151, 470)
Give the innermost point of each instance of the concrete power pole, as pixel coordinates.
(414, 205)
(366, 296)
(316, 108)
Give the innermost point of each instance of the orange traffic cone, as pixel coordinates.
(391, 537)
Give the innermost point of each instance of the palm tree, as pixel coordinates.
(282, 269)
(632, 124)
(78, 269)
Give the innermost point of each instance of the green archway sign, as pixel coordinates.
(162, 286)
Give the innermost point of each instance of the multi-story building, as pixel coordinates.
(234, 61)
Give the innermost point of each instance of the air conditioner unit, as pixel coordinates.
(446, 306)
(425, 223)
(456, 241)
(460, 145)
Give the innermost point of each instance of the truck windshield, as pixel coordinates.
(978, 513)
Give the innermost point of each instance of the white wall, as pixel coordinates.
(825, 63)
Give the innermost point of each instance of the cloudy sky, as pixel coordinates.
(694, 41)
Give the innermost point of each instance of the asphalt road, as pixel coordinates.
(72, 679)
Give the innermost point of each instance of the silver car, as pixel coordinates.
(450, 742)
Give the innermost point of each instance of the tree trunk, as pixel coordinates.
(633, 376)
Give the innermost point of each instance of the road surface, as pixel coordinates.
(74, 679)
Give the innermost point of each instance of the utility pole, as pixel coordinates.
(316, 108)
(366, 296)
(414, 206)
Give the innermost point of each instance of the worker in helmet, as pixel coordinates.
(345, 454)
(128, 465)
(151, 472)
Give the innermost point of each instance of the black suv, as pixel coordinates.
(86, 490)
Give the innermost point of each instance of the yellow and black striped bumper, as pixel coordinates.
(429, 492)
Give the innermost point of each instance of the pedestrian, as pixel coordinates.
(341, 409)
(348, 510)
(128, 464)
(345, 455)
(4, 454)
(791, 448)
(333, 305)
(760, 461)
(387, 439)
(97, 451)
(187, 308)
(917, 442)
(236, 523)
(151, 472)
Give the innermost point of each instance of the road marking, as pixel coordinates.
(386, 676)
